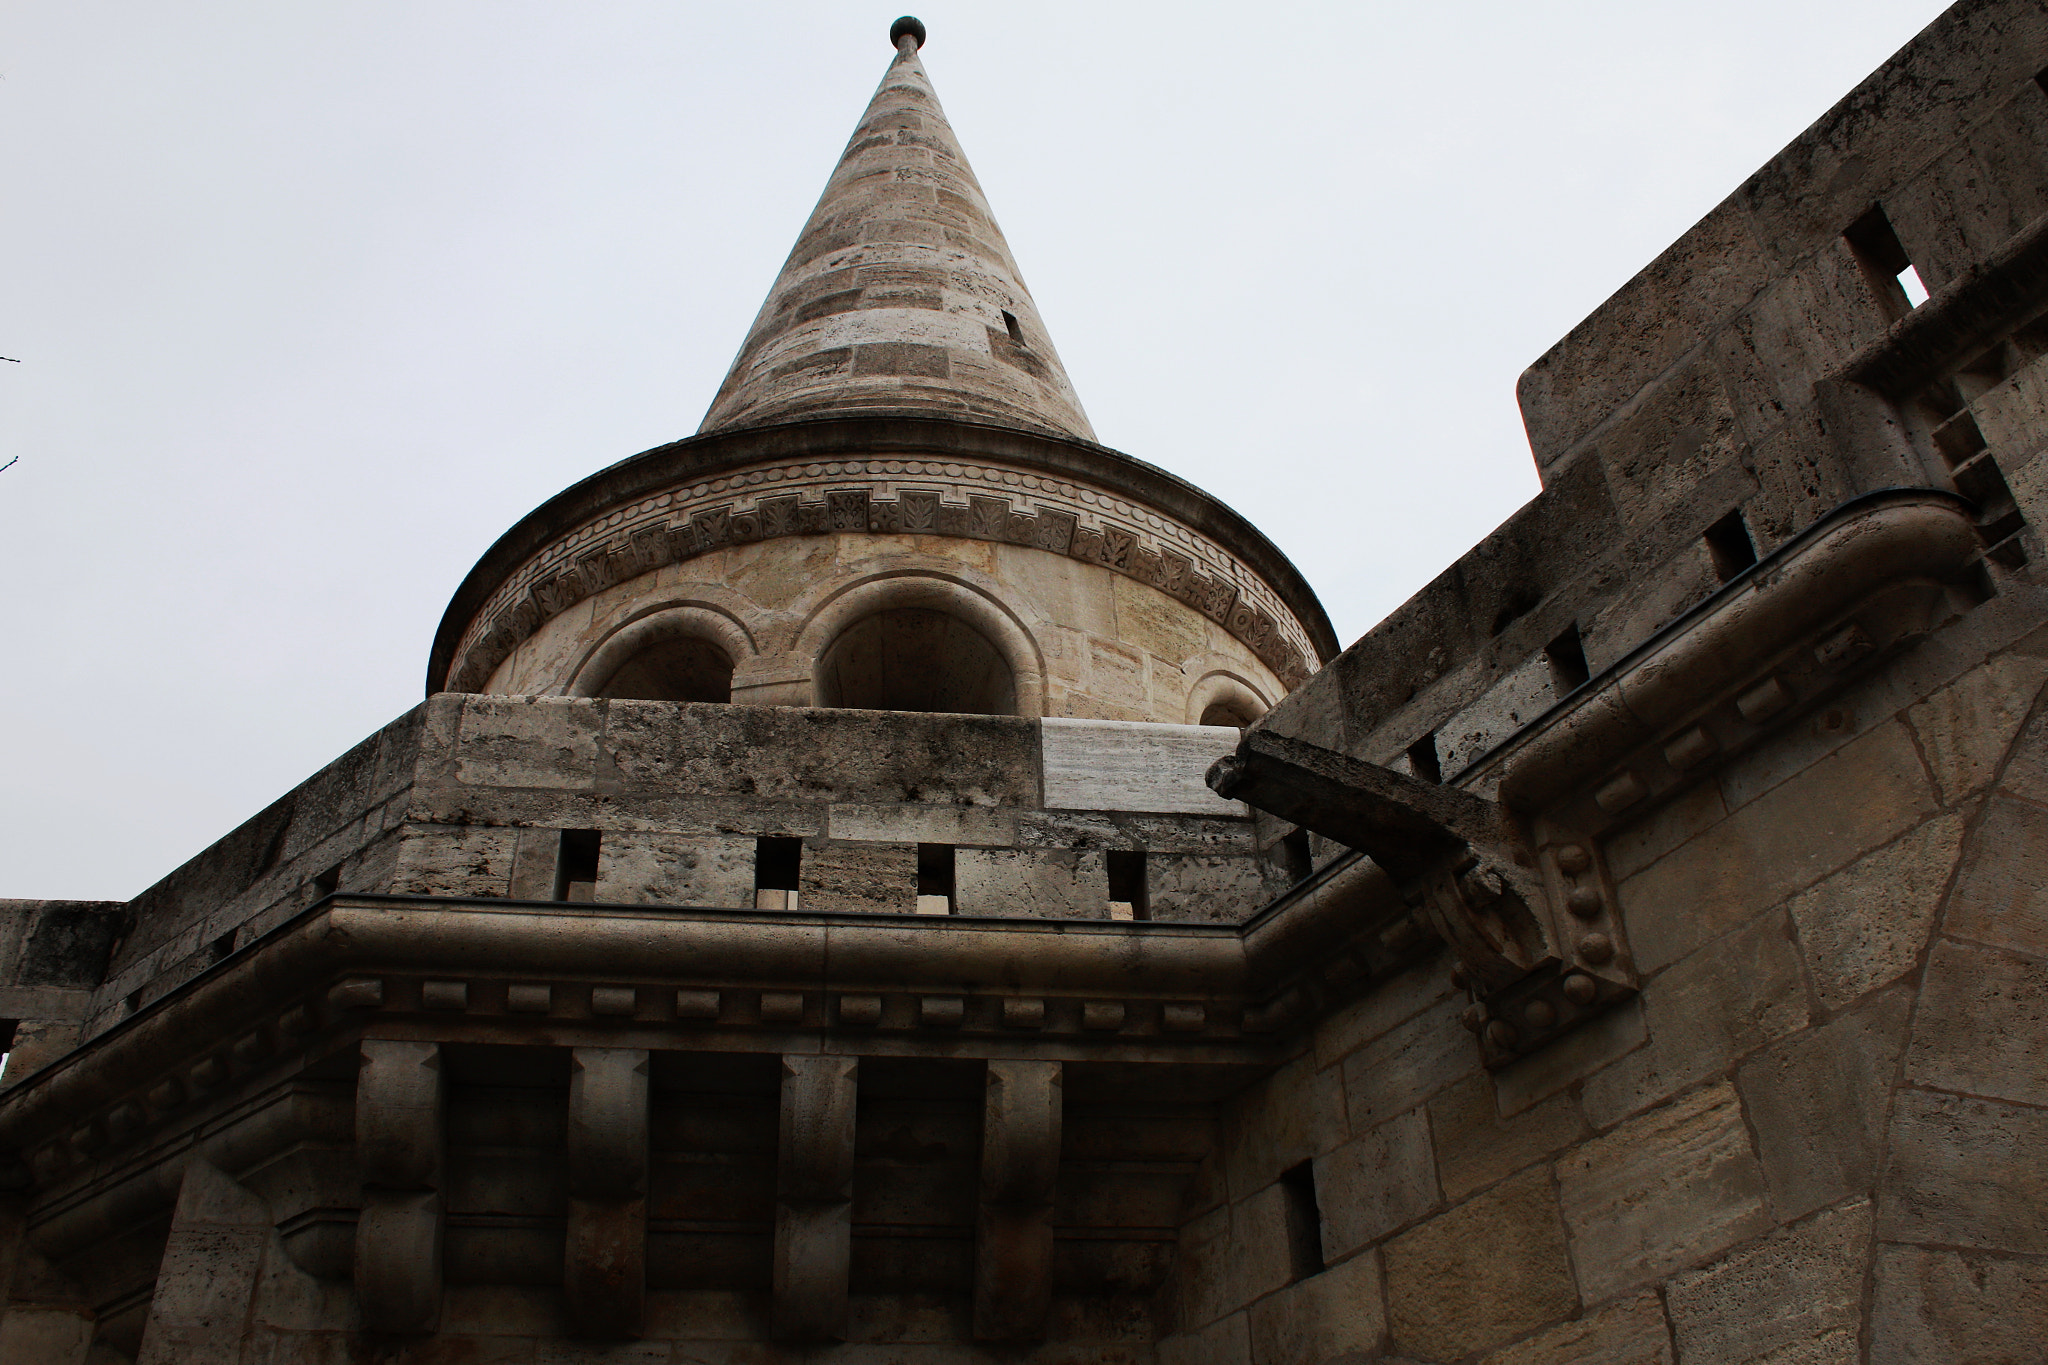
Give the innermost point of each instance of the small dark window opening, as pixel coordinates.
(222, 947)
(576, 867)
(1127, 885)
(777, 860)
(1424, 761)
(1304, 1220)
(327, 883)
(1729, 545)
(1295, 858)
(934, 879)
(1885, 263)
(8, 1029)
(1566, 656)
(1016, 331)
(2041, 79)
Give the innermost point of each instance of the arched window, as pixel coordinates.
(1230, 712)
(916, 659)
(672, 668)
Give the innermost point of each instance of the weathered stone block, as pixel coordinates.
(1580, 1053)
(1664, 827)
(1966, 727)
(1408, 1064)
(1292, 1115)
(1817, 1103)
(1981, 1013)
(1114, 765)
(866, 878)
(1203, 890)
(1476, 1146)
(2001, 895)
(1933, 1306)
(1335, 1316)
(1482, 1273)
(1627, 1332)
(1520, 696)
(1377, 1182)
(1671, 1187)
(1849, 802)
(1703, 1012)
(1036, 883)
(1966, 1172)
(1866, 925)
(1388, 1003)
(466, 861)
(528, 741)
(636, 868)
(1796, 1295)
(1262, 1259)
(1226, 1342)
(823, 754)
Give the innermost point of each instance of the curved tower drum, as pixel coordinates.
(895, 502)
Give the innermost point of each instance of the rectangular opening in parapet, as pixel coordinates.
(1296, 858)
(576, 867)
(1016, 330)
(1890, 271)
(1304, 1221)
(1566, 656)
(1423, 760)
(776, 864)
(8, 1028)
(1729, 545)
(934, 879)
(327, 883)
(1127, 885)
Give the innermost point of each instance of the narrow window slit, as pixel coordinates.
(1424, 762)
(1296, 858)
(1566, 656)
(576, 867)
(777, 861)
(935, 879)
(1729, 545)
(1016, 330)
(1127, 885)
(8, 1029)
(1890, 271)
(1304, 1221)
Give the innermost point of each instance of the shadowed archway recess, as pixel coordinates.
(916, 659)
(677, 668)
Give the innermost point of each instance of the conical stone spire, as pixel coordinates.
(901, 294)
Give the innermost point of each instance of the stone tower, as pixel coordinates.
(802, 922)
(895, 501)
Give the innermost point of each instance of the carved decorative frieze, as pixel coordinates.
(904, 497)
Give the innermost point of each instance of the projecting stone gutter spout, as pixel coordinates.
(1517, 886)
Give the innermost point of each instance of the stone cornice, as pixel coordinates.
(661, 977)
(1872, 576)
(855, 474)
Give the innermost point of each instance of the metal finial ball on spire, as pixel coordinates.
(907, 24)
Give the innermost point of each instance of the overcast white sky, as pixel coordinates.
(312, 301)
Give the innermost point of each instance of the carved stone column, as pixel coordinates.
(606, 1271)
(814, 1197)
(400, 1135)
(1020, 1161)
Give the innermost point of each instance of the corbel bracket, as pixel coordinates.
(1461, 862)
